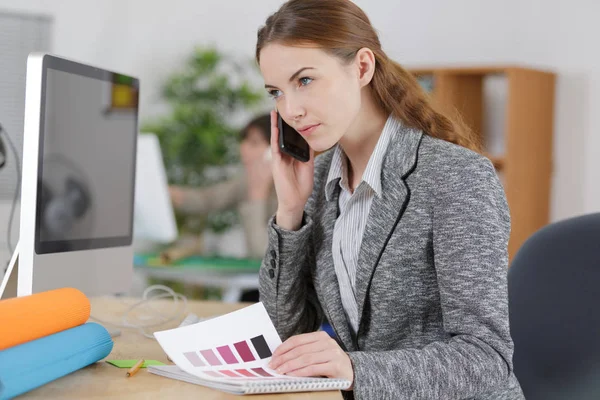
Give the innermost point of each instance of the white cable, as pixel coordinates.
(155, 317)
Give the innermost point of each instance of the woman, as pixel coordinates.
(251, 192)
(397, 235)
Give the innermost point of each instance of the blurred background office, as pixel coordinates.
(514, 69)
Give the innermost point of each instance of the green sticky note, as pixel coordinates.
(131, 363)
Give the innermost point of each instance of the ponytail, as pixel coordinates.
(399, 93)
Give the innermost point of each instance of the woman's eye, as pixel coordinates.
(275, 93)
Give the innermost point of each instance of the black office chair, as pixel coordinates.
(554, 304)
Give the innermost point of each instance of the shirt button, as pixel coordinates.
(273, 263)
(272, 273)
(273, 254)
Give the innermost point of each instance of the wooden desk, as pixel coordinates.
(102, 380)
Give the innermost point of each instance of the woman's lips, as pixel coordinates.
(308, 129)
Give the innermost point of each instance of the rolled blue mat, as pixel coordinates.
(33, 364)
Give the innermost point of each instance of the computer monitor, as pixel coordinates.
(154, 218)
(77, 193)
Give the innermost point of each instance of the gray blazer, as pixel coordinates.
(431, 281)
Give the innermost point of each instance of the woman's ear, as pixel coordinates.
(365, 60)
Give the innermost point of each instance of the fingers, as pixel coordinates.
(327, 369)
(312, 354)
(299, 340)
(306, 360)
(299, 351)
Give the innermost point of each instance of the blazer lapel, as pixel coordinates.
(386, 210)
(325, 277)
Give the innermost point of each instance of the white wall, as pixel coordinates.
(150, 39)
(562, 36)
(552, 34)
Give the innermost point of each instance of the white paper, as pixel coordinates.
(237, 327)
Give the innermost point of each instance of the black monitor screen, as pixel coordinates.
(86, 175)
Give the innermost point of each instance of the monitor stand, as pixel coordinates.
(8, 288)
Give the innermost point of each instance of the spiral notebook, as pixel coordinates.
(254, 385)
(231, 353)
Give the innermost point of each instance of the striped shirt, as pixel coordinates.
(354, 212)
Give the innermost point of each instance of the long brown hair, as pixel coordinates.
(341, 28)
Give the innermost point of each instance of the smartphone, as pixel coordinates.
(291, 142)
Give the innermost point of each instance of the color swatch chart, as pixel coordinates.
(236, 345)
(237, 353)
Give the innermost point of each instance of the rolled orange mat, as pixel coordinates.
(23, 319)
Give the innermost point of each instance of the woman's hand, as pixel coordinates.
(293, 182)
(177, 195)
(312, 354)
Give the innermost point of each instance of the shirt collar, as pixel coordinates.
(338, 171)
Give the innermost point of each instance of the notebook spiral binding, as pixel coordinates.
(286, 386)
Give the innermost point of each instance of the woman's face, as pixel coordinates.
(253, 147)
(314, 92)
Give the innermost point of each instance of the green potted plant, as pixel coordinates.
(199, 137)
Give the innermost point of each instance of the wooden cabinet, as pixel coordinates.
(525, 168)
